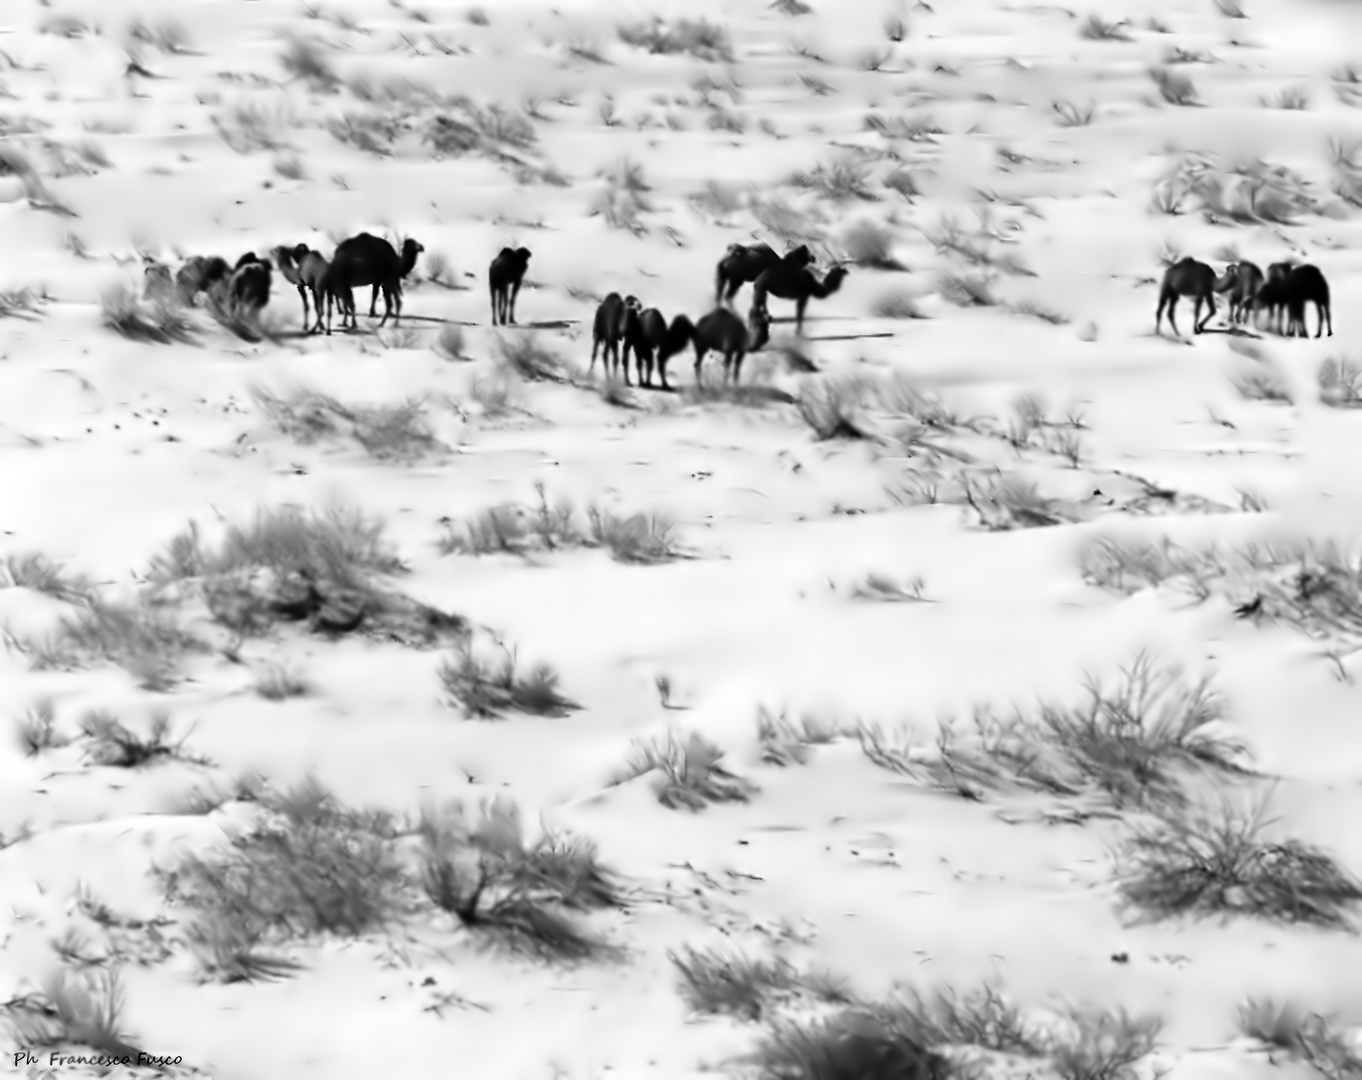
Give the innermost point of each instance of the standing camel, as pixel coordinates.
(724, 332)
(1306, 284)
(197, 275)
(368, 260)
(647, 334)
(790, 281)
(1241, 280)
(504, 277)
(1271, 296)
(1186, 277)
(303, 269)
(746, 262)
(608, 331)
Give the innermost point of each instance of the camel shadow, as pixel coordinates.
(542, 324)
(851, 337)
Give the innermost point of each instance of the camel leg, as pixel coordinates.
(699, 360)
(396, 300)
(302, 293)
(1210, 312)
(662, 373)
(1172, 318)
(492, 290)
(737, 365)
(624, 362)
(1329, 314)
(515, 291)
(800, 305)
(373, 301)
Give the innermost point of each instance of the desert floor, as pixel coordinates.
(979, 672)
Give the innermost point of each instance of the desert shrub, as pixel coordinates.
(1340, 382)
(1265, 386)
(786, 742)
(1294, 98)
(168, 35)
(306, 60)
(1129, 566)
(387, 432)
(523, 354)
(869, 243)
(34, 570)
(883, 588)
(113, 743)
(853, 1043)
(72, 1008)
(145, 641)
(1103, 1045)
(700, 38)
(687, 774)
(1174, 87)
(450, 343)
(1306, 1036)
(17, 303)
(622, 198)
(36, 730)
(897, 305)
(1008, 502)
(248, 127)
(638, 538)
(160, 321)
(307, 866)
(1095, 28)
(1069, 114)
(1219, 863)
(728, 983)
(518, 895)
(904, 182)
(841, 180)
(488, 689)
(278, 682)
(372, 132)
(969, 289)
(833, 408)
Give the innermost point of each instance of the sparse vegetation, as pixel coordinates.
(386, 432)
(687, 774)
(638, 538)
(72, 1008)
(1198, 862)
(488, 689)
(161, 321)
(700, 38)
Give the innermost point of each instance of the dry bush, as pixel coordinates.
(248, 127)
(145, 641)
(279, 682)
(488, 689)
(1103, 1045)
(525, 897)
(514, 528)
(112, 743)
(307, 866)
(1194, 862)
(523, 354)
(642, 538)
(161, 321)
(841, 180)
(850, 1045)
(883, 588)
(700, 38)
(870, 243)
(290, 167)
(1069, 114)
(622, 199)
(1340, 382)
(306, 60)
(833, 408)
(168, 35)
(1095, 28)
(786, 742)
(1008, 502)
(34, 570)
(450, 343)
(1295, 98)
(729, 984)
(1230, 9)
(17, 303)
(1129, 566)
(82, 1008)
(904, 182)
(968, 289)
(36, 730)
(1174, 87)
(687, 774)
(387, 432)
(372, 132)
(1307, 1037)
(897, 305)
(1265, 386)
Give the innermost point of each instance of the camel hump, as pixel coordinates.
(505, 253)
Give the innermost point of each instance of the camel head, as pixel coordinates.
(411, 250)
(249, 257)
(1228, 279)
(833, 281)
(522, 255)
(633, 302)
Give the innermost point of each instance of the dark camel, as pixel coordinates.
(303, 269)
(1271, 295)
(724, 332)
(248, 289)
(746, 262)
(647, 334)
(608, 331)
(1186, 277)
(368, 260)
(1241, 280)
(198, 275)
(504, 277)
(792, 282)
(1306, 285)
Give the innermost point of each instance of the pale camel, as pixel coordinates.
(303, 269)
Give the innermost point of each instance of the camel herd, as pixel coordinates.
(1284, 290)
(623, 326)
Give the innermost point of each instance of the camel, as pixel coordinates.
(724, 332)
(504, 277)
(608, 331)
(1271, 296)
(790, 281)
(646, 333)
(744, 263)
(303, 269)
(1306, 284)
(1241, 280)
(366, 259)
(158, 286)
(1186, 277)
(197, 275)
(248, 289)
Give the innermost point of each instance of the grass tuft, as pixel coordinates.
(488, 689)
(687, 774)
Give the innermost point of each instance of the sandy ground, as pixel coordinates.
(111, 447)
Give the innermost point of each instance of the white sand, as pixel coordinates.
(839, 863)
